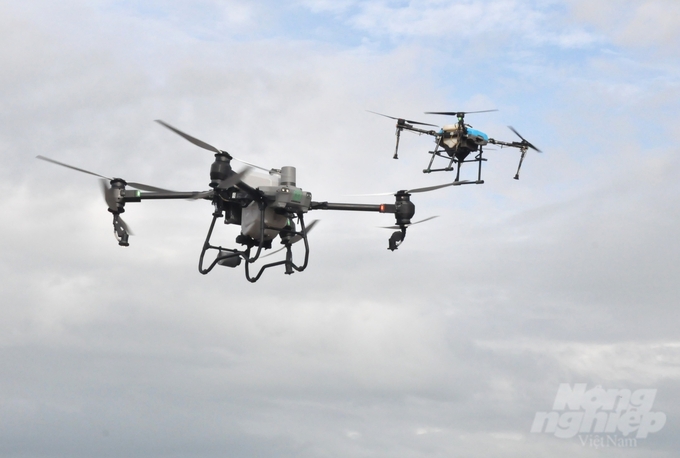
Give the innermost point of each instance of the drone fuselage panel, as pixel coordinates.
(282, 201)
(287, 198)
(257, 179)
(454, 140)
(251, 222)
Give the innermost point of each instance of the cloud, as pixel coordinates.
(469, 21)
(651, 25)
(447, 346)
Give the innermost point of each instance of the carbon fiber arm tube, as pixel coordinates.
(379, 208)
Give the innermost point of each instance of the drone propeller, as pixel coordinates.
(227, 183)
(132, 184)
(415, 190)
(411, 224)
(523, 147)
(120, 227)
(205, 145)
(458, 113)
(233, 179)
(404, 120)
(108, 195)
(439, 186)
(193, 140)
(524, 141)
(399, 233)
(295, 238)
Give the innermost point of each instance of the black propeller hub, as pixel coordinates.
(220, 169)
(117, 194)
(404, 208)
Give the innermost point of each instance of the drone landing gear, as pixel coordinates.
(288, 237)
(435, 153)
(396, 148)
(230, 257)
(521, 158)
(455, 158)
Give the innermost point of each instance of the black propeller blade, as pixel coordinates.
(132, 184)
(193, 140)
(108, 195)
(524, 141)
(412, 224)
(433, 188)
(233, 179)
(295, 238)
(405, 120)
(417, 190)
(458, 113)
(227, 183)
(205, 145)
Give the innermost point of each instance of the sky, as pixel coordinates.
(449, 346)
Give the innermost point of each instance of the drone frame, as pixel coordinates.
(457, 155)
(403, 209)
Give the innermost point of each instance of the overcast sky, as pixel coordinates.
(448, 346)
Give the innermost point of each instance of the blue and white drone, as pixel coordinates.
(455, 142)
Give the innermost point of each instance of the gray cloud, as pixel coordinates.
(448, 346)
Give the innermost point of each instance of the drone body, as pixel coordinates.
(455, 142)
(284, 198)
(459, 143)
